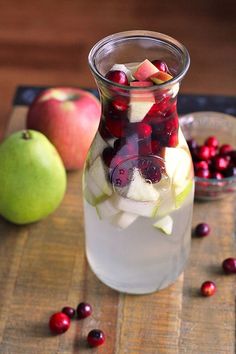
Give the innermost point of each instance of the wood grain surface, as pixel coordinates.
(42, 266)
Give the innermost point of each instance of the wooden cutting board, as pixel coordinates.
(43, 268)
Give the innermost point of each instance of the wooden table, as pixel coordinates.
(42, 266)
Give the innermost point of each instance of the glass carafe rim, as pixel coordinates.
(135, 34)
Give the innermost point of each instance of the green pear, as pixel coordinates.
(32, 177)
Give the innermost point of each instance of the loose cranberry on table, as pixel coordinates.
(208, 288)
(84, 310)
(59, 323)
(202, 229)
(69, 311)
(118, 77)
(229, 265)
(95, 338)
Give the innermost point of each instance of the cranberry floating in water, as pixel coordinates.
(59, 323)
(69, 311)
(229, 265)
(84, 310)
(208, 288)
(160, 65)
(202, 229)
(151, 168)
(120, 104)
(96, 337)
(117, 76)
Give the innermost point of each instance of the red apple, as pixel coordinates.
(69, 117)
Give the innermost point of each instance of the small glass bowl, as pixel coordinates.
(199, 126)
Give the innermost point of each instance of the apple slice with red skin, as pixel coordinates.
(160, 77)
(69, 117)
(145, 70)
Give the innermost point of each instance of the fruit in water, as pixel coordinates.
(93, 194)
(160, 65)
(99, 144)
(106, 209)
(69, 311)
(123, 219)
(145, 70)
(178, 165)
(141, 190)
(140, 102)
(165, 224)
(125, 69)
(229, 265)
(160, 77)
(59, 323)
(181, 195)
(142, 208)
(83, 310)
(69, 117)
(117, 76)
(151, 168)
(99, 177)
(32, 177)
(95, 338)
(202, 229)
(208, 288)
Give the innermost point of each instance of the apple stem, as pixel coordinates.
(26, 135)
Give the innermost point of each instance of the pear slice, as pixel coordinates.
(91, 191)
(165, 224)
(97, 148)
(123, 219)
(146, 209)
(97, 173)
(106, 209)
(141, 190)
(181, 193)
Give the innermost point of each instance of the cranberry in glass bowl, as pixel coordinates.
(215, 176)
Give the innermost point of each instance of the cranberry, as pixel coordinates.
(107, 155)
(202, 173)
(213, 151)
(229, 265)
(230, 171)
(192, 144)
(233, 156)
(212, 141)
(173, 140)
(95, 338)
(225, 149)
(120, 104)
(216, 175)
(151, 168)
(220, 163)
(203, 152)
(117, 76)
(156, 146)
(201, 165)
(202, 230)
(172, 124)
(59, 323)
(69, 311)
(208, 288)
(116, 127)
(160, 65)
(142, 129)
(83, 310)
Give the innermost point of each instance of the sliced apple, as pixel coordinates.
(123, 219)
(140, 101)
(147, 209)
(145, 70)
(140, 190)
(98, 177)
(165, 224)
(160, 77)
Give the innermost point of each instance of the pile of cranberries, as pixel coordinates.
(158, 129)
(212, 160)
(208, 288)
(59, 322)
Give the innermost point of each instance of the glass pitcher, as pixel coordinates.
(138, 178)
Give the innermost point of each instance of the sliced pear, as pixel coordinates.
(97, 148)
(92, 193)
(181, 193)
(97, 175)
(165, 224)
(147, 209)
(123, 219)
(140, 190)
(178, 164)
(106, 209)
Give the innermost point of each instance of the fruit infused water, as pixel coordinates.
(138, 178)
